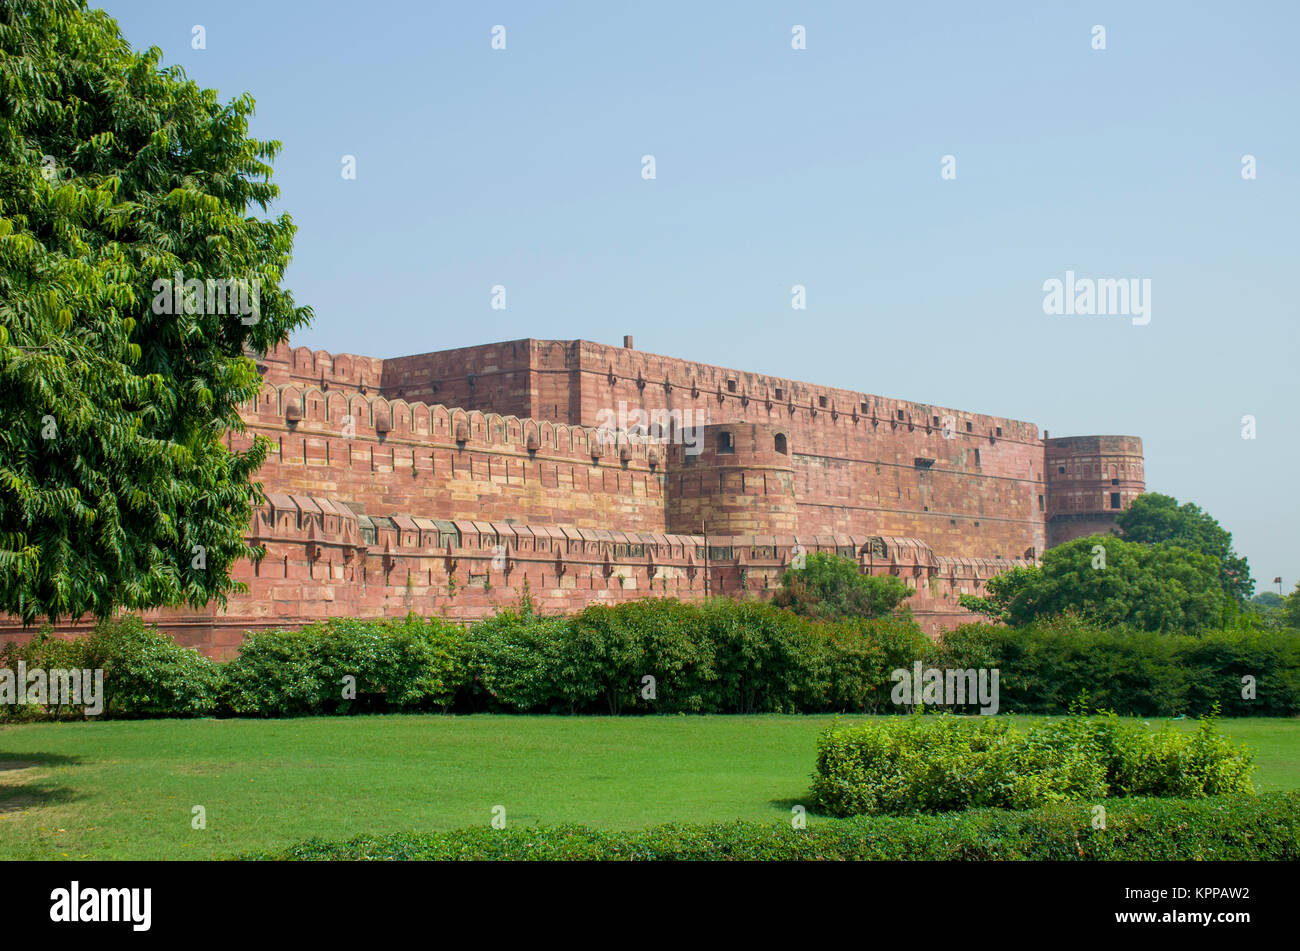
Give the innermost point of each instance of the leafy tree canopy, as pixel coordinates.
(1154, 519)
(120, 181)
(832, 588)
(1289, 611)
(1113, 581)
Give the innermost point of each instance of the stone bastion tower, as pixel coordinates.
(740, 482)
(1091, 479)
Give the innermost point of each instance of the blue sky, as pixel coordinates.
(819, 167)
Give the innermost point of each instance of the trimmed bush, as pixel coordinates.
(1220, 829)
(146, 674)
(515, 665)
(764, 659)
(937, 764)
(1045, 666)
(413, 664)
(859, 656)
(719, 657)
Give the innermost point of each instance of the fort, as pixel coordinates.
(444, 483)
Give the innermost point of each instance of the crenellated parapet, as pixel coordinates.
(326, 557)
(297, 408)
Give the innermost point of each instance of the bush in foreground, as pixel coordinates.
(937, 764)
(1220, 829)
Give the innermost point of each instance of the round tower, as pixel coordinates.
(733, 479)
(1090, 480)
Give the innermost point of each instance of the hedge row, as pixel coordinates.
(662, 656)
(904, 765)
(1047, 666)
(1266, 827)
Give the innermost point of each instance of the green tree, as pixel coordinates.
(118, 177)
(1113, 581)
(1154, 518)
(1289, 610)
(1267, 601)
(830, 588)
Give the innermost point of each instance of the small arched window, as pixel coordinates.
(781, 446)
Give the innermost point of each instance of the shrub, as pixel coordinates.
(761, 658)
(935, 764)
(722, 656)
(412, 664)
(677, 654)
(1220, 829)
(604, 653)
(43, 651)
(831, 588)
(515, 663)
(614, 648)
(859, 657)
(146, 673)
(1048, 664)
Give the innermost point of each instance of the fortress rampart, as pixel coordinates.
(442, 483)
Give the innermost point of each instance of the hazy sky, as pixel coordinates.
(820, 167)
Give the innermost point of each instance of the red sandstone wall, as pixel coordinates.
(381, 503)
(391, 456)
(978, 492)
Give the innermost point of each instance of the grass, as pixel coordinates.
(126, 789)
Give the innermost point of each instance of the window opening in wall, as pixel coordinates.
(1114, 500)
(821, 401)
(726, 443)
(781, 445)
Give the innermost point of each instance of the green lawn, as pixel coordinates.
(126, 789)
